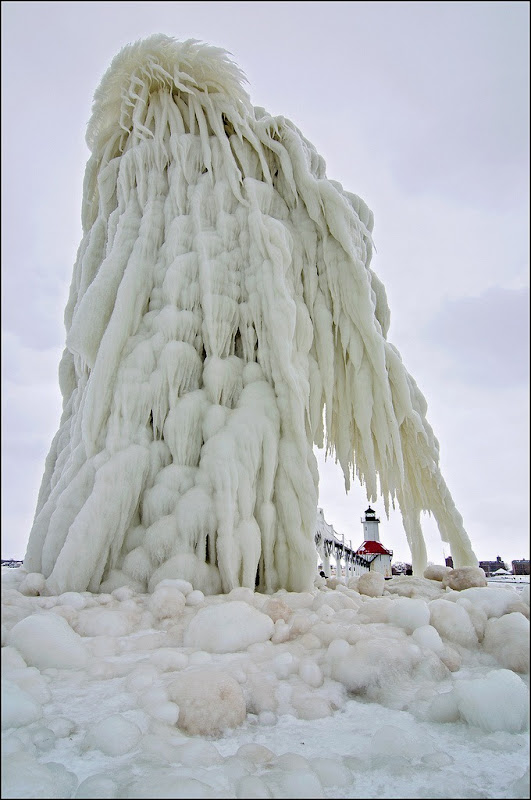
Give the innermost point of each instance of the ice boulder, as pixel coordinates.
(33, 584)
(188, 568)
(371, 584)
(228, 628)
(115, 735)
(452, 622)
(409, 613)
(105, 622)
(19, 708)
(166, 601)
(501, 690)
(23, 776)
(464, 577)
(507, 639)
(47, 640)
(210, 701)
(436, 572)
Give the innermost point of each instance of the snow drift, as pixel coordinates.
(223, 319)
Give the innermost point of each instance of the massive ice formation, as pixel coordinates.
(223, 318)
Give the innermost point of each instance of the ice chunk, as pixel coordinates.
(114, 735)
(47, 640)
(18, 707)
(503, 688)
(452, 622)
(228, 628)
(409, 613)
(507, 638)
(371, 583)
(464, 578)
(210, 701)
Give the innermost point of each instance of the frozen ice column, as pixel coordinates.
(223, 319)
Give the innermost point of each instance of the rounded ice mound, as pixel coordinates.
(371, 584)
(452, 622)
(464, 578)
(436, 572)
(507, 638)
(166, 601)
(228, 628)
(47, 640)
(115, 735)
(500, 689)
(19, 708)
(409, 613)
(209, 702)
(162, 783)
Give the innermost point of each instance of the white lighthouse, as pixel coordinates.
(372, 549)
(370, 524)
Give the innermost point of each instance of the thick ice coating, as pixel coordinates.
(223, 319)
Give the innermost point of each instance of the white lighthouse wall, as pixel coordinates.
(370, 531)
(382, 564)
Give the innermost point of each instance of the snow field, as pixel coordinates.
(327, 693)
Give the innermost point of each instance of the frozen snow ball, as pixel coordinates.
(23, 776)
(19, 708)
(507, 638)
(309, 705)
(409, 613)
(331, 772)
(464, 577)
(209, 701)
(115, 735)
(228, 627)
(436, 572)
(310, 672)
(166, 601)
(251, 786)
(493, 601)
(12, 661)
(33, 584)
(100, 621)
(162, 784)
(195, 598)
(427, 636)
(277, 609)
(391, 740)
(452, 622)
(97, 787)
(500, 689)
(443, 708)
(524, 594)
(197, 751)
(371, 584)
(295, 783)
(178, 583)
(190, 568)
(73, 600)
(47, 640)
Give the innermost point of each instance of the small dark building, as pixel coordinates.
(490, 567)
(521, 567)
(449, 562)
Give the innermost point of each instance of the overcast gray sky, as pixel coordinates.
(421, 108)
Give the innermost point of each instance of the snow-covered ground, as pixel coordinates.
(419, 692)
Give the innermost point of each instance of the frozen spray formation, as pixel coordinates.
(223, 318)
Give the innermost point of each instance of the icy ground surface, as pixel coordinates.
(419, 692)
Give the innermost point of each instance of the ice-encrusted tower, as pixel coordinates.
(223, 318)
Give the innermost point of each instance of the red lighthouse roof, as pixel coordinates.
(373, 548)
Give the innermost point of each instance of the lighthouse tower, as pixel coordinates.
(370, 526)
(372, 549)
